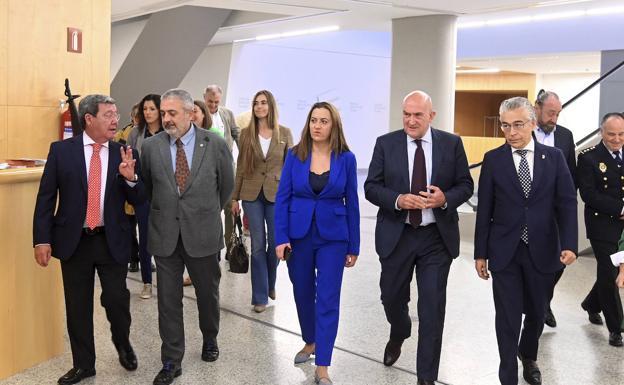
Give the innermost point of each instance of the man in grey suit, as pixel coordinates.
(188, 176)
(224, 124)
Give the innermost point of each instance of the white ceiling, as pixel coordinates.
(260, 17)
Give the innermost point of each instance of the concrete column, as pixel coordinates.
(165, 51)
(424, 57)
(612, 88)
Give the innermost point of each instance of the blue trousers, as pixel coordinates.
(315, 269)
(263, 259)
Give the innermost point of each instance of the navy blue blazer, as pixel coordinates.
(549, 211)
(336, 209)
(388, 176)
(65, 177)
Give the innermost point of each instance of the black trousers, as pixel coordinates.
(78, 281)
(205, 273)
(519, 288)
(421, 249)
(134, 251)
(604, 295)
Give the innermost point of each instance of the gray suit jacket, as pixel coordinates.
(232, 131)
(196, 214)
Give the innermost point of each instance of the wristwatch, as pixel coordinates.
(135, 179)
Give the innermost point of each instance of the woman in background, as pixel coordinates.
(317, 216)
(263, 145)
(149, 124)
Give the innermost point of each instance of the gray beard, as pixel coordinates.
(547, 128)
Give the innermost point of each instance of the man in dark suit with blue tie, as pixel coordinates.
(526, 230)
(92, 177)
(417, 177)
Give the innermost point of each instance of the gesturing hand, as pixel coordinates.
(126, 167)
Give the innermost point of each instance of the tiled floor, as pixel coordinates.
(259, 348)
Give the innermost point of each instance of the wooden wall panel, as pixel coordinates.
(505, 81)
(100, 38)
(4, 8)
(3, 133)
(7, 284)
(39, 61)
(471, 108)
(477, 147)
(31, 130)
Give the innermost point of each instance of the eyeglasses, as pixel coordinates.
(111, 115)
(515, 125)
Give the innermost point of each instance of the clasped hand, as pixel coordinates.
(432, 198)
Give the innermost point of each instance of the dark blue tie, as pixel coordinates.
(618, 158)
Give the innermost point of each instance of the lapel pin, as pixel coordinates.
(543, 156)
(201, 145)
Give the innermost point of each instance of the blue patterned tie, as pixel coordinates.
(618, 158)
(525, 181)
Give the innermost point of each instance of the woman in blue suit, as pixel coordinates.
(317, 215)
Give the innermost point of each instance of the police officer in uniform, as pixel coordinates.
(600, 177)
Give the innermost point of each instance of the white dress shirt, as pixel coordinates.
(217, 124)
(88, 151)
(544, 138)
(529, 156)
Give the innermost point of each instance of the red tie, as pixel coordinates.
(95, 186)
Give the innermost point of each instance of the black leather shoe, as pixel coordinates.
(210, 352)
(425, 382)
(530, 371)
(392, 352)
(166, 375)
(615, 339)
(127, 358)
(549, 319)
(75, 375)
(133, 267)
(594, 318)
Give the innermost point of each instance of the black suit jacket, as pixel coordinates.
(65, 177)
(549, 212)
(601, 184)
(388, 177)
(565, 142)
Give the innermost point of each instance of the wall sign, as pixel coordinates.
(74, 40)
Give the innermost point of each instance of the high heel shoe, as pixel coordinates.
(302, 356)
(322, 380)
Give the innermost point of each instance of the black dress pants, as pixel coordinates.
(78, 281)
(604, 295)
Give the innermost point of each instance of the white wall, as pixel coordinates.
(582, 116)
(123, 36)
(357, 83)
(212, 67)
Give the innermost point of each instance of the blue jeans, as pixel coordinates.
(263, 259)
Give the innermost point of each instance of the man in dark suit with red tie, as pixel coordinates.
(92, 177)
(526, 231)
(417, 177)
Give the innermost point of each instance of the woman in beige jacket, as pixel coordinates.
(263, 145)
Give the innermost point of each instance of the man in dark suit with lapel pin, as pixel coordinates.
(189, 178)
(526, 230)
(549, 133)
(417, 177)
(92, 177)
(601, 184)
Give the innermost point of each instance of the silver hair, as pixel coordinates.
(90, 105)
(183, 95)
(213, 88)
(542, 96)
(421, 93)
(609, 115)
(516, 103)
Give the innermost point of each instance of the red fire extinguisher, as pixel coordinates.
(65, 130)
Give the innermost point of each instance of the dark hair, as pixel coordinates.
(149, 97)
(337, 141)
(90, 105)
(207, 122)
(610, 115)
(543, 95)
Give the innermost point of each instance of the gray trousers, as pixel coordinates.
(206, 274)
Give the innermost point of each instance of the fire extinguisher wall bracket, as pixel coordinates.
(65, 131)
